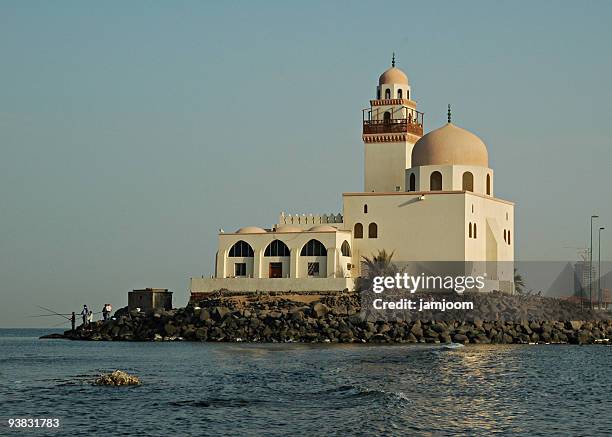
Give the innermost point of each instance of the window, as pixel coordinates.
(313, 269)
(313, 248)
(277, 248)
(345, 249)
(358, 231)
(470, 232)
(388, 93)
(505, 239)
(509, 237)
(472, 209)
(373, 230)
(412, 182)
(399, 94)
(378, 94)
(488, 185)
(387, 116)
(435, 181)
(397, 188)
(241, 249)
(408, 94)
(475, 233)
(240, 269)
(365, 208)
(468, 181)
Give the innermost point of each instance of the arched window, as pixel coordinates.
(505, 239)
(412, 182)
(488, 184)
(475, 233)
(388, 93)
(408, 94)
(313, 248)
(387, 116)
(365, 208)
(345, 249)
(470, 231)
(399, 94)
(241, 249)
(378, 94)
(509, 237)
(373, 230)
(277, 248)
(358, 231)
(435, 181)
(468, 181)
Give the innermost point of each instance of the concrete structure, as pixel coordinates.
(149, 299)
(426, 198)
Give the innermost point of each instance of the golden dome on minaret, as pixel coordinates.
(393, 75)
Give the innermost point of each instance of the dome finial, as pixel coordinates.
(393, 60)
(449, 113)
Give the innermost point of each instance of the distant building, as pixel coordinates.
(425, 198)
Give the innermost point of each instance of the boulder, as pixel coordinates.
(170, 329)
(117, 378)
(320, 310)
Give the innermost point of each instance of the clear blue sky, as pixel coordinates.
(131, 131)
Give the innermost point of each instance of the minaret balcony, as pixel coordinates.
(393, 126)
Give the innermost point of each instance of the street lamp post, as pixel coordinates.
(591, 265)
(599, 290)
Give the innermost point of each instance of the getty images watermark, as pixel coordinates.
(404, 282)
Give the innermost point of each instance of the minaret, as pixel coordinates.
(391, 126)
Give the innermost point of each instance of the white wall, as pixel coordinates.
(207, 285)
(295, 266)
(433, 229)
(385, 166)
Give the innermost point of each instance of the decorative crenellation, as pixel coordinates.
(391, 102)
(310, 219)
(390, 138)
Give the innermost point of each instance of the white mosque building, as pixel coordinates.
(426, 198)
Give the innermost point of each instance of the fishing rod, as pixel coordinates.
(53, 312)
(59, 324)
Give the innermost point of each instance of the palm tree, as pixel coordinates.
(519, 283)
(378, 265)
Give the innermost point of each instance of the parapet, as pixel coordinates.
(307, 221)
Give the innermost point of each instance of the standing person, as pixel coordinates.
(105, 312)
(90, 317)
(73, 321)
(85, 314)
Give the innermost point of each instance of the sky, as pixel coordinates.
(130, 132)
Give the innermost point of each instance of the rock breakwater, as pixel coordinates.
(335, 319)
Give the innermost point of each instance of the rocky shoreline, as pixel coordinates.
(333, 319)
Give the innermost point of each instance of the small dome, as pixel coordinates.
(286, 228)
(322, 228)
(450, 145)
(251, 230)
(393, 75)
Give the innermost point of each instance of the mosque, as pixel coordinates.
(426, 198)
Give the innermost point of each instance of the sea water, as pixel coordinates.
(303, 389)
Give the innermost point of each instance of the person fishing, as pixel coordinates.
(90, 317)
(85, 314)
(73, 321)
(105, 312)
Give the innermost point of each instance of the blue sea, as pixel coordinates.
(294, 389)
